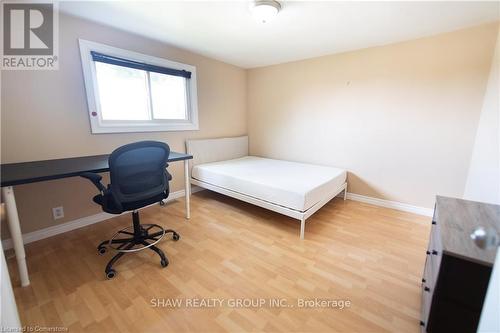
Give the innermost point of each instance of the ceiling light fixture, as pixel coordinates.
(265, 10)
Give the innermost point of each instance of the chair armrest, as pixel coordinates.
(95, 179)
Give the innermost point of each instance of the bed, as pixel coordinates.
(294, 189)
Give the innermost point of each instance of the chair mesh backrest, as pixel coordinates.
(138, 170)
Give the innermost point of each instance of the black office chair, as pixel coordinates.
(138, 178)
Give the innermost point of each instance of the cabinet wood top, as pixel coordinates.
(457, 219)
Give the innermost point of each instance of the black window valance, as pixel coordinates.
(96, 56)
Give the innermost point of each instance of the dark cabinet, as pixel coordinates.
(456, 272)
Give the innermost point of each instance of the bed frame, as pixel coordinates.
(214, 150)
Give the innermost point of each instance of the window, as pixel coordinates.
(133, 92)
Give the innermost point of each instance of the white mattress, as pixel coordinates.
(293, 185)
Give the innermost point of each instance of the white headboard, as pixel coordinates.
(214, 150)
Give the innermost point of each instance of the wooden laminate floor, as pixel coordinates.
(234, 252)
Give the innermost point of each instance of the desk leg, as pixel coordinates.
(15, 231)
(187, 189)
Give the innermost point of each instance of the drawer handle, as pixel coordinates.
(423, 280)
(434, 252)
(422, 323)
(427, 289)
(434, 222)
(427, 252)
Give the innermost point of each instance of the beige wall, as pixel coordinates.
(401, 118)
(483, 181)
(44, 116)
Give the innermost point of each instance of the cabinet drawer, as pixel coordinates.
(435, 263)
(435, 252)
(428, 276)
(456, 273)
(425, 312)
(427, 292)
(435, 238)
(426, 307)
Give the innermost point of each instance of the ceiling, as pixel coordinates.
(226, 30)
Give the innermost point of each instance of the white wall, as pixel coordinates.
(9, 318)
(490, 316)
(483, 181)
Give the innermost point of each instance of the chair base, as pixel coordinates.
(140, 237)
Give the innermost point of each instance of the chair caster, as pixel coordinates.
(164, 263)
(110, 274)
(101, 250)
(176, 236)
(162, 203)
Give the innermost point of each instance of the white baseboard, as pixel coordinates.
(391, 204)
(79, 223)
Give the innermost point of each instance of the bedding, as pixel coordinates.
(297, 186)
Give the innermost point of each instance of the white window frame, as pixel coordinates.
(98, 125)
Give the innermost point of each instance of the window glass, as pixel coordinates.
(168, 95)
(122, 92)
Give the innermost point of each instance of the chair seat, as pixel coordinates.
(108, 204)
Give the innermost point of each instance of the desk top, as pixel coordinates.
(37, 171)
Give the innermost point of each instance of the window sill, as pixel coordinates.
(149, 128)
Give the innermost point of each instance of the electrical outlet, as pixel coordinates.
(58, 212)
